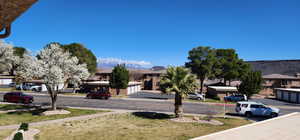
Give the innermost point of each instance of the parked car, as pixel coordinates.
(17, 97)
(255, 109)
(236, 98)
(12, 84)
(98, 95)
(24, 86)
(36, 88)
(196, 96)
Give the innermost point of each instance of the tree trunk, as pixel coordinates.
(118, 91)
(74, 89)
(178, 106)
(201, 85)
(11, 72)
(53, 105)
(53, 95)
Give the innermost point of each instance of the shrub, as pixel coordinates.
(24, 126)
(18, 136)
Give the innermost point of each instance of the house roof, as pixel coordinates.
(223, 88)
(289, 89)
(142, 71)
(279, 76)
(107, 83)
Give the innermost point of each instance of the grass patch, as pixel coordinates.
(73, 94)
(209, 100)
(33, 116)
(133, 126)
(5, 107)
(5, 133)
(7, 89)
(119, 96)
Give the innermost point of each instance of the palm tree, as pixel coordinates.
(178, 80)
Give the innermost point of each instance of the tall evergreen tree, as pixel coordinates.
(229, 66)
(119, 78)
(251, 83)
(201, 61)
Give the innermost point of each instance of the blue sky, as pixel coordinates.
(163, 31)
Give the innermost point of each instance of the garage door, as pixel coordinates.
(285, 96)
(294, 97)
(279, 94)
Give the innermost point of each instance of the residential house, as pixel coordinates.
(273, 81)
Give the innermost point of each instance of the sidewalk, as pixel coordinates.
(281, 128)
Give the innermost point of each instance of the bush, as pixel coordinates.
(24, 126)
(18, 136)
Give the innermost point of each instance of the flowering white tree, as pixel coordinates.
(7, 56)
(55, 67)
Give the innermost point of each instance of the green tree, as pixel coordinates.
(201, 62)
(84, 55)
(229, 66)
(178, 80)
(19, 51)
(251, 83)
(119, 78)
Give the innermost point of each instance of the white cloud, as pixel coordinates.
(115, 61)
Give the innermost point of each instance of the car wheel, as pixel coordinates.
(106, 98)
(198, 98)
(273, 115)
(4, 100)
(248, 114)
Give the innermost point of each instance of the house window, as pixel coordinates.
(284, 82)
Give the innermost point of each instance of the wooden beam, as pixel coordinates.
(10, 10)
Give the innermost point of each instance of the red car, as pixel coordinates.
(98, 95)
(17, 97)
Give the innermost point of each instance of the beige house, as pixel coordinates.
(149, 78)
(273, 81)
(133, 87)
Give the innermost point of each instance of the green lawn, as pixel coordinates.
(5, 133)
(73, 94)
(33, 116)
(132, 126)
(5, 107)
(207, 100)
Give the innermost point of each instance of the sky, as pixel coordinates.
(161, 32)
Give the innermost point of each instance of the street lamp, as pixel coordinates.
(9, 11)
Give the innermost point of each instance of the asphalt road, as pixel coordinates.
(155, 105)
(162, 106)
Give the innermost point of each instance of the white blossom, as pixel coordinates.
(7, 55)
(54, 67)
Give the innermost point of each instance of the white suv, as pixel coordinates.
(255, 109)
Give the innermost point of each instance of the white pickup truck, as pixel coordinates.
(255, 109)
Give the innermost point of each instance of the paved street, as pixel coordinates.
(154, 104)
(163, 106)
